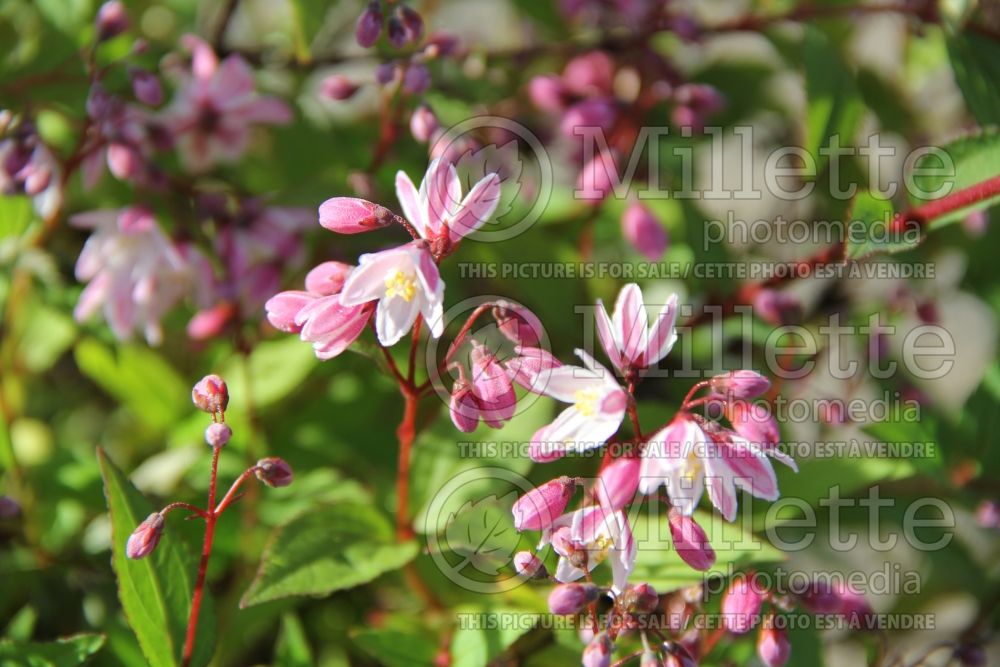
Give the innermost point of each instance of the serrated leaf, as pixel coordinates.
(155, 591)
(65, 652)
(870, 231)
(325, 550)
(397, 649)
(976, 158)
(483, 532)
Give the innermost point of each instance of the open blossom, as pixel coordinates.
(586, 538)
(626, 336)
(689, 459)
(134, 273)
(405, 282)
(119, 137)
(215, 108)
(597, 409)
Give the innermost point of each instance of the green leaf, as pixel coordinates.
(869, 231)
(397, 649)
(483, 633)
(293, 646)
(139, 378)
(277, 368)
(66, 652)
(976, 158)
(47, 333)
(15, 214)
(975, 60)
(155, 591)
(834, 106)
(328, 549)
(483, 532)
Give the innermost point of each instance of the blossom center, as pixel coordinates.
(586, 401)
(400, 284)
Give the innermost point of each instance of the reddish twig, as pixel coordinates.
(211, 516)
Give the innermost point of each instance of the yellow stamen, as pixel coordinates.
(400, 284)
(586, 401)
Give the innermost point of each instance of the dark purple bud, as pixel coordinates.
(217, 435)
(146, 87)
(211, 394)
(386, 73)
(145, 537)
(337, 87)
(413, 24)
(396, 32)
(567, 599)
(529, 566)
(776, 307)
(369, 25)
(971, 655)
(417, 79)
(9, 508)
(112, 20)
(274, 471)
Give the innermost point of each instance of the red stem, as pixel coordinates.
(206, 551)
(922, 215)
(405, 433)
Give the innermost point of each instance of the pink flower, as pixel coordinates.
(690, 541)
(588, 537)
(405, 282)
(626, 337)
(644, 232)
(215, 108)
(438, 211)
(134, 273)
(539, 508)
(530, 367)
(597, 409)
(489, 397)
(741, 604)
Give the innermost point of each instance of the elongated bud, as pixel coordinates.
(618, 482)
(740, 384)
(274, 471)
(412, 22)
(146, 87)
(211, 394)
(337, 87)
(350, 215)
(691, 542)
(111, 21)
(283, 308)
(529, 566)
(644, 232)
(463, 407)
(369, 25)
(396, 32)
(217, 435)
(741, 605)
(145, 537)
(772, 645)
(417, 79)
(423, 123)
(567, 599)
(754, 422)
(328, 278)
(598, 651)
(539, 508)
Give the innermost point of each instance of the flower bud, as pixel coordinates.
(776, 307)
(617, 483)
(644, 232)
(741, 605)
(591, 113)
(337, 87)
(124, 161)
(539, 508)
(517, 323)
(567, 599)
(413, 24)
(690, 541)
(529, 566)
(772, 646)
(284, 307)
(328, 278)
(598, 651)
(273, 471)
(590, 74)
(740, 384)
(146, 87)
(211, 394)
(9, 508)
(754, 422)
(597, 178)
(217, 435)
(463, 407)
(145, 537)
(416, 79)
(369, 25)
(350, 215)
(547, 93)
(423, 123)
(396, 32)
(641, 598)
(111, 21)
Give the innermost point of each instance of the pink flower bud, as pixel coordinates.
(754, 422)
(396, 32)
(124, 161)
(617, 483)
(350, 215)
(111, 21)
(590, 74)
(597, 178)
(423, 123)
(369, 25)
(210, 322)
(517, 323)
(217, 435)
(146, 87)
(274, 471)
(988, 514)
(530, 368)
(690, 541)
(776, 307)
(741, 605)
(772, 646)
(211, 394)
(598, 651)
(284, 307)
(547, 93)
(540, 507)
(644, 232)
(328, 278)
(529, 566)
(854, 607)
(463, 407)
(596, 112)
(412, 22)
(740, 384)
(567, 599)
(145, 537)
(337, 87)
